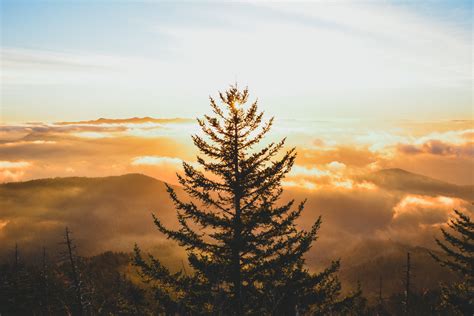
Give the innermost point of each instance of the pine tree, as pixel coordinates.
(242, 242)
(459, 250)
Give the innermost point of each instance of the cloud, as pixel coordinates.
(153, 160)
(337, 157)
(447, 155)
(14, 164)
(301, 184)
(349, 155)
(20, 131)
(34, 142)
(48, 67)
(437, 147)
(3, 224)
(354, 47)
(417, 218)
(13, 170)
(92, 149)
(336, 165)
(135, 127)
(423, 210)
(305, 171)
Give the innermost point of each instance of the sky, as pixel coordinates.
(356, 86)
(381, 60)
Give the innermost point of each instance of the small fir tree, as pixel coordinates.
(458, 247)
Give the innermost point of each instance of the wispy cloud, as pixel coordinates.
(14, 164)
(22, 66)
(389, 59)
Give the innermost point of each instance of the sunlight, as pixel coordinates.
(3, 223)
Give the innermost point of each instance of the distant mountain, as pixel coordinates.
(133, 120)
(402, 180)
(110, 213)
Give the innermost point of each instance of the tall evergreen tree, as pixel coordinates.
(242, 242)
(458, 248)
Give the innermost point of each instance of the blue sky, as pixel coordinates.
(84, 59)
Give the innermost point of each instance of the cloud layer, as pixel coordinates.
(330, 153)
(352, 175)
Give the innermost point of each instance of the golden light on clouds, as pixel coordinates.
(13, 170)
(426, 203)
(14, 164)
(3, 223)
(152, 160)
(329, 153)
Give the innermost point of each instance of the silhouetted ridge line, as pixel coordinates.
(399, 179)
(133, 120)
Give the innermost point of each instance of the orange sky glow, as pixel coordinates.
(329, 152)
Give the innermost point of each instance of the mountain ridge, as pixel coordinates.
(391, 178)
(403, 180)
(389, 172)
(78, 178)
(132, 120)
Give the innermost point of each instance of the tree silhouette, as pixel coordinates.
(407, 285)
(16, 289)
(243, 245)
(70, 260)
(459, 250)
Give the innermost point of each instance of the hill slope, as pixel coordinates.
(402, 180)
(110, 213)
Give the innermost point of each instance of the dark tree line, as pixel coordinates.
(69, 285)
